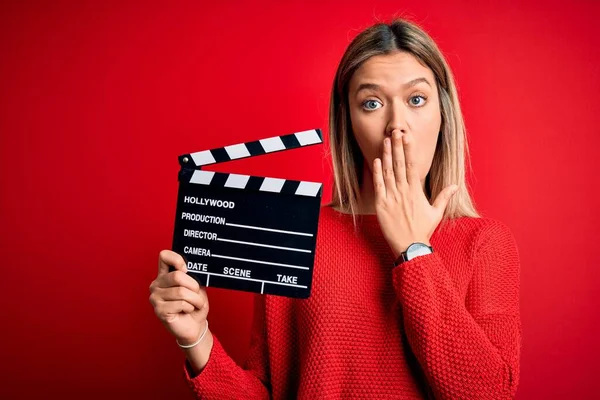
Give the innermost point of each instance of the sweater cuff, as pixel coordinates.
(414, 267)
(206, 376)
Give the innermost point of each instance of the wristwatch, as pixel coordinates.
(414, 250)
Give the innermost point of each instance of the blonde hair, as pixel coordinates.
(448, 165)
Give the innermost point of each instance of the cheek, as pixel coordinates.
(426, 145)
(427, 137)
(430, 120)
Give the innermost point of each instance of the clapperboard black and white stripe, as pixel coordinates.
(245, 232)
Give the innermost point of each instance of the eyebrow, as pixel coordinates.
(409, 84)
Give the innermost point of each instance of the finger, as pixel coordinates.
(378, 179)
(197, 299)
(166, 309)
(388, 168)
(410, 155)
(398, 160)
(178, 278)
(168, 258)
(442, 200)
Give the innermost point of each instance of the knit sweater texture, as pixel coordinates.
(444, 325)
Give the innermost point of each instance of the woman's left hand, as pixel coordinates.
(403, 211)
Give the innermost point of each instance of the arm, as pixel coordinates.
(222, 378)
(467, 349)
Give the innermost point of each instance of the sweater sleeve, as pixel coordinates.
(222, 378)
(468, 348)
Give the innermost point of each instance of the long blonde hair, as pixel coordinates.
(448, 165)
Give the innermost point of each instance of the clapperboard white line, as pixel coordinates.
(259, 261)
(207, 279)
(249, 279)
(263, 245)
(262, 288)
(268, 229)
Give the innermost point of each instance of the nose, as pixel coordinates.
(396, 119)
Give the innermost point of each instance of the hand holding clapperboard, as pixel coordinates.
(248, 233)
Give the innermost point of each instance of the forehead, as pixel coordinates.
(391, 70)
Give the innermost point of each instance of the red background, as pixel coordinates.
(97, 100)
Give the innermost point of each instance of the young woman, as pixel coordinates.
(413, 295)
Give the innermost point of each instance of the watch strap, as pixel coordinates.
(403, 257)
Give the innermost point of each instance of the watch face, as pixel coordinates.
(417, 249)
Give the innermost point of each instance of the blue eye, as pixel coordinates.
(418, 103)
(371, 105)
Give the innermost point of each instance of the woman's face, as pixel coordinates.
(395, 92)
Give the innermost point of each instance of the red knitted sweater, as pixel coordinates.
(443, 325)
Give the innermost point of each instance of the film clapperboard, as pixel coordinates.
(249, 233)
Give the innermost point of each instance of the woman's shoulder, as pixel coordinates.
(479, 230)
(476, 223)
(331, 217)
(328, 215)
